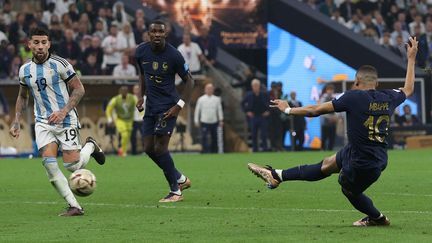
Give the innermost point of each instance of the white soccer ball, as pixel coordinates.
(82, 182)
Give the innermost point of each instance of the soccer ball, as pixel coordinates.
(82, 182)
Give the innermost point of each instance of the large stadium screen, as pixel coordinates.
(305, 69)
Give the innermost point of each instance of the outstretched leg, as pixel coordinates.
(315, 172)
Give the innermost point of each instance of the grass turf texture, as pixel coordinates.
(225, 204)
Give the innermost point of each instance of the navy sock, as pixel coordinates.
(166, 163)
(154, 158)
(363, 204)
(304, 173)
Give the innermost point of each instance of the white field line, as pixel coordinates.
(121, 205)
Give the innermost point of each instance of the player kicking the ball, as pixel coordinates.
(362, 160)
(49, 78)
(158, 63)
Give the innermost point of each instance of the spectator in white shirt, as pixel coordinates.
(399, 32)
(192, 54)
(417, 21)
(46, 16)
(128, 35)
(113, 47)
(208, 116)
(124, 69)
(62, 6)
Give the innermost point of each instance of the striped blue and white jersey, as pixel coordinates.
(48, 84)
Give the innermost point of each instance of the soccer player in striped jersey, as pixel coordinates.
(56, 91)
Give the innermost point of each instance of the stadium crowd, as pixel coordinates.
(388, 23)
(94, 36)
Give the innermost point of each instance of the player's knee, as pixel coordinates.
(148, 149)
(329, 165)
(72, 166)
(160, 149)
(348, 193)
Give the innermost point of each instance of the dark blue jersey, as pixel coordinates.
(368, 119)
(159, 69)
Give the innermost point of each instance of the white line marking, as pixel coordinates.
(216, 208)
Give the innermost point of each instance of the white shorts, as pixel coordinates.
(67, 138)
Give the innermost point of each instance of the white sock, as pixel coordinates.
(178, 192)
(279, 173)
(85, 154)
(182, 179)
(59, 181)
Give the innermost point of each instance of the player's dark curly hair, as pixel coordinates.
(39, 31)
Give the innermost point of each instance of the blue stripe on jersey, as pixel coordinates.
(59, 97)
(27, 81)
(43, 92)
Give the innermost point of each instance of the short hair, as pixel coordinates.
(158, 21)
(255, 81)
(39, 31)
(367, 73)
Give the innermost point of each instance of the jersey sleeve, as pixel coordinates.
(398, 97)
(344, 101)
(21, 77)
(66, 70)
(181, 68)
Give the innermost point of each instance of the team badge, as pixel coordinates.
(155, 66)
(165, 66)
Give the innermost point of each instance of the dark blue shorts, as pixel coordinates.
(155, 125)
(353, 179)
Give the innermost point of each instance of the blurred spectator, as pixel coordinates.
(66, 21)
(113, 47)
(145, 37)
(192, 54)
(355, 24)
(82, 31)
(3, 37)
(401, 18)
(24, 51)
(261, 37)
(73, 12)
(99, 30)
(90, 10)
(69, 48)
(371, 34)
(56, 36)
(171, 34)
(139, 29)
(90, 66)
(208, 45)
(119, 13)
(328, 121)
(62, 6)
(85, 20)
(347, 9)
(337, 17)
(246, 75)
(400, 48)
(408, 119)
(398, 31)
(128, 35)
(17, 32)
(95, 49)
(47, 14)
(423, 47)
(85, 43)
(14, 67)
(208, 116)
(256, 105)
(298, 124)
(276, 127)
(7, 13)
(138, 122)
(101, 16)
(5, 58)
(385, 41)
(124, 69)
(4, 107)
(327, 7)
(38, 16)
(418, 21)
(139, 15)
(380, 24)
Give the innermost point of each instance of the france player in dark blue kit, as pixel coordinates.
(362, 160)
(158, 63)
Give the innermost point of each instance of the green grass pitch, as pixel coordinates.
(225, 204)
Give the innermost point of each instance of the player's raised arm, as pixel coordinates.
(77, 91)
(309, 111)
(408, 88)
(21, 104)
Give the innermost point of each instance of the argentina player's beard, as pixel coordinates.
(40, 56)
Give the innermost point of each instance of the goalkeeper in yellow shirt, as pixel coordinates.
(124, 107)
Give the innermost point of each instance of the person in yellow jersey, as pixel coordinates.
(124, 107)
